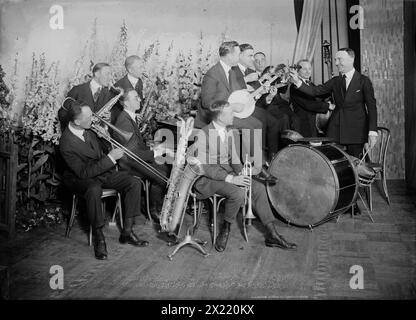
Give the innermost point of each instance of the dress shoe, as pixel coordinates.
(222, 238)
(265, 177)
(133, 239)
(100, 249)
(274, 239)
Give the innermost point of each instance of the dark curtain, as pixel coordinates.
(298, 12)
(354, 35)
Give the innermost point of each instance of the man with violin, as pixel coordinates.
(94, 93)
(89, 170)
(305, 106)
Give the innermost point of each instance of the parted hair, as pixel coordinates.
(97, 67)
(227, 47)
(350, 52)
(217, 107)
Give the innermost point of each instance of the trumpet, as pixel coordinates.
(248, 214)
(102, 132)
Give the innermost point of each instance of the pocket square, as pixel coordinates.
(358, 90)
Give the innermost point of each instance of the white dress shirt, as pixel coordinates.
(80, 134)
(348, 77)
(131, 114)
(242, 68)
(133, 80)
(94, 86)
(226, 68)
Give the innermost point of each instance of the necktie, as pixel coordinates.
(87, 138)
(97, 94)
(230, 78)
(344, 85)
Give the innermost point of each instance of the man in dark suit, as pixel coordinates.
(95, 93)
(89, 170)
(215, 150)
(218, 84)
(246, 77)
(219, 81)
(132, 80)
(126, 121)
(305, 106)
(354, 120)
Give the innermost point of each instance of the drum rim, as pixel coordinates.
(327, 161)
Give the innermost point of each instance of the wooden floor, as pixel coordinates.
(319, 269)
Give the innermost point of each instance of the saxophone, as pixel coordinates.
(184, 173)
(105, 111)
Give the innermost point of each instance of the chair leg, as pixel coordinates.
(383, 179)
(366, 207)
(90, 236)
(72, 216)
(214, 220)
(147, 189)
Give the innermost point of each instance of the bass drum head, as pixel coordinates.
(306, 188)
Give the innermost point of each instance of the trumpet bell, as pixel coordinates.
(249, 214)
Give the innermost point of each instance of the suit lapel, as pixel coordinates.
(353, 86)
(223, 76)
(84, 147)
(88, 94)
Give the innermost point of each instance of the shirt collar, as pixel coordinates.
(219, 127)
(349, 74)
(225, 66)
(133, 80)
(242, 68)
(94, 85)
(78, 132)
(131, 114)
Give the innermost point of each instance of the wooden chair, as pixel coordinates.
(377, 161)
(106, 193)
(146, 186)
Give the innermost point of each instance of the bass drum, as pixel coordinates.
(314, 184)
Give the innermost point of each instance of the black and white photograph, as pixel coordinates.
(210, 155)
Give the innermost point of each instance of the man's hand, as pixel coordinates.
(331, 106)
(116, 153)
(295, 78)
(251, 77)
(372, 140)
(241, 181)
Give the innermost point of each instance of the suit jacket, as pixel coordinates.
(82, 93)
(218, 159)
(215, 86)
(355, 114)
(306, 108)
(84, 160)
(125, 84)
(136, 143)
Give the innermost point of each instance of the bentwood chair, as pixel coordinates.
(377, 161)
(106, 193)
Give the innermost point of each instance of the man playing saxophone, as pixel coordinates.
(89, 170)
(126, 121)
(222, 168)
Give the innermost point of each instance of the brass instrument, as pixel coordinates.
(102, 132)
(180, 181)
(105, 111)
(248, 212)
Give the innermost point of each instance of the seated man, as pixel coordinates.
(126, 121)
(89, 170)
(215, 149)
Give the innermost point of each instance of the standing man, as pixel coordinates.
(305, 106)
(354, 120)
(219, 81)
(132, 80)
(89, 170)
(94, 93)
(246, 76)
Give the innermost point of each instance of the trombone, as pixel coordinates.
(247, 213)
(101, 132)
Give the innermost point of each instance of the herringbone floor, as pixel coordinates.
(319, 269)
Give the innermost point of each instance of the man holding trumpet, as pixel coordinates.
(89, 170)
(222, 168)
